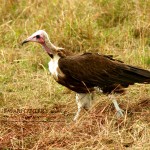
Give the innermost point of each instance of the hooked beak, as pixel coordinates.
(29, 39)
(25, 41)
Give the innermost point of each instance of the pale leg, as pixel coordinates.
(83, 100)
(118, 109)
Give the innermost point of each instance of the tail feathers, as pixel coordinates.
(140, 71)
(137, 75)
(128, 75)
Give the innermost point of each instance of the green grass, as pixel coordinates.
(119, 28)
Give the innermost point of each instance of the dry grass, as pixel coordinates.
(114, 27)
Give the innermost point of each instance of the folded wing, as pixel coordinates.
(102, 71)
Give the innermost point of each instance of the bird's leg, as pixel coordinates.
(118, 109)
(77, 114)
(83, 100)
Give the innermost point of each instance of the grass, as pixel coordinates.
(120, 28)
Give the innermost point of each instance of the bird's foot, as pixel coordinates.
(120, 113)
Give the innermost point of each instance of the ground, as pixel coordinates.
(35, 111)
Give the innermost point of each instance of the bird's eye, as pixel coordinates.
(37, 36)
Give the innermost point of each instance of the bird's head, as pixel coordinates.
(39, 36)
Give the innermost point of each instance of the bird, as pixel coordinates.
(84, 73)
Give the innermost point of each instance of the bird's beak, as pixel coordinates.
(25, 41)
(29, 39)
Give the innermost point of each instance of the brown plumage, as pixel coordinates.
(82, 73)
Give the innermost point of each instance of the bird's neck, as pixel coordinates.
(50, 48)
(53, 51)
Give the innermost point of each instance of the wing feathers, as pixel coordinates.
(102, 71)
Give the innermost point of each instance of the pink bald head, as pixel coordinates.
(39, 36)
